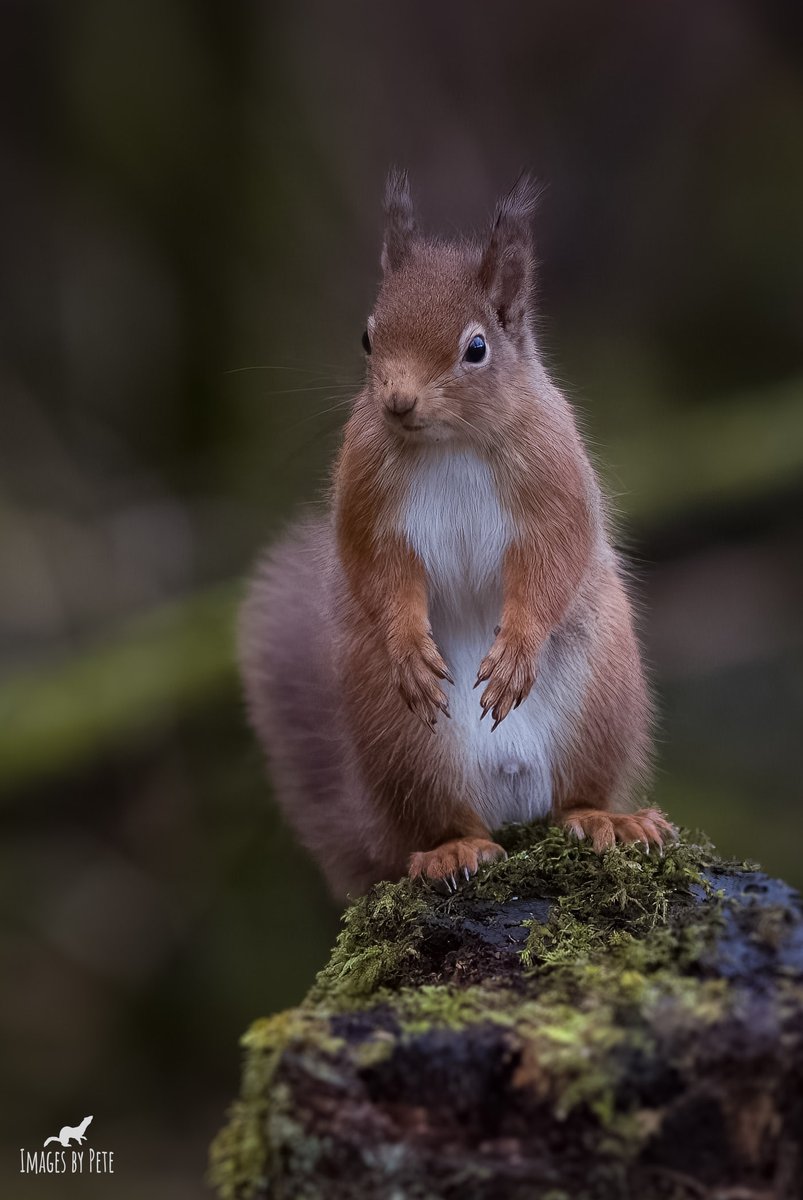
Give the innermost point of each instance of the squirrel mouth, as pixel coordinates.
(405, 427)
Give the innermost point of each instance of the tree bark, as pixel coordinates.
(567, 1026)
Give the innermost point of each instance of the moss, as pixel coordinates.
(434, 1006)
(596, 897)
(567, 1054)
(626, 884)
(374, 1050)
(240, 1154)
(378, 943)
(599, 964)
(570, 1034)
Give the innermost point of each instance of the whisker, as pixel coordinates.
(450, 412)
(324, 387)
(320, 413)
(319, 369)
(319, 436)
(344, 403)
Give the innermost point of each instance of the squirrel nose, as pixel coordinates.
(400, 404)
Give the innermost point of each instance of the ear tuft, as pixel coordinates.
(506, 270)
(519, 205)
(399, 220)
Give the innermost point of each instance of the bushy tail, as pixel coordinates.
(287, 662)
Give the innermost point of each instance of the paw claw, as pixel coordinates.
(647, 828)
(449, 864)
(417, 670)
(509, 667)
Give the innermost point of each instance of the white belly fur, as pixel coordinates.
(454, 521)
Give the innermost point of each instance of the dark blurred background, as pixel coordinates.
(190, 225)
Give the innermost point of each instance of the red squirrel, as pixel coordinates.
(465, 545)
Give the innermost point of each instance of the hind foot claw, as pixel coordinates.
(453, 863)
(648, 826)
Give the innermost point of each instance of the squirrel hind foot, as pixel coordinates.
(453, 863)
(648, 826)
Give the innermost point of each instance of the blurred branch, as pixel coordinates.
(156, 666)
(716, 454)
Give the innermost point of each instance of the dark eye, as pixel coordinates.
(366, 342)
(475, 350)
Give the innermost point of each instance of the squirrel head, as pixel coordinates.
(452, 324)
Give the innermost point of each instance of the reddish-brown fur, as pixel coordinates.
(347, 686)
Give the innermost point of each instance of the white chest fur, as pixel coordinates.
(454, 520)
(455, 523)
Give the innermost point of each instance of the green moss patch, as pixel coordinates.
(572, 993)
(390, 936)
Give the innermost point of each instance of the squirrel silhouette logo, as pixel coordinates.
(68, 1133)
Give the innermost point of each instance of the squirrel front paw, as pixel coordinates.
(417, 672)
(509, 668)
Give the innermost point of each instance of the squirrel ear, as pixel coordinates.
(506, 270)
(399, 220)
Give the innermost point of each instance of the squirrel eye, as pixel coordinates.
(366, 342)
(475, 350)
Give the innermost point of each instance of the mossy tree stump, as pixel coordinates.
(566, 1026)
